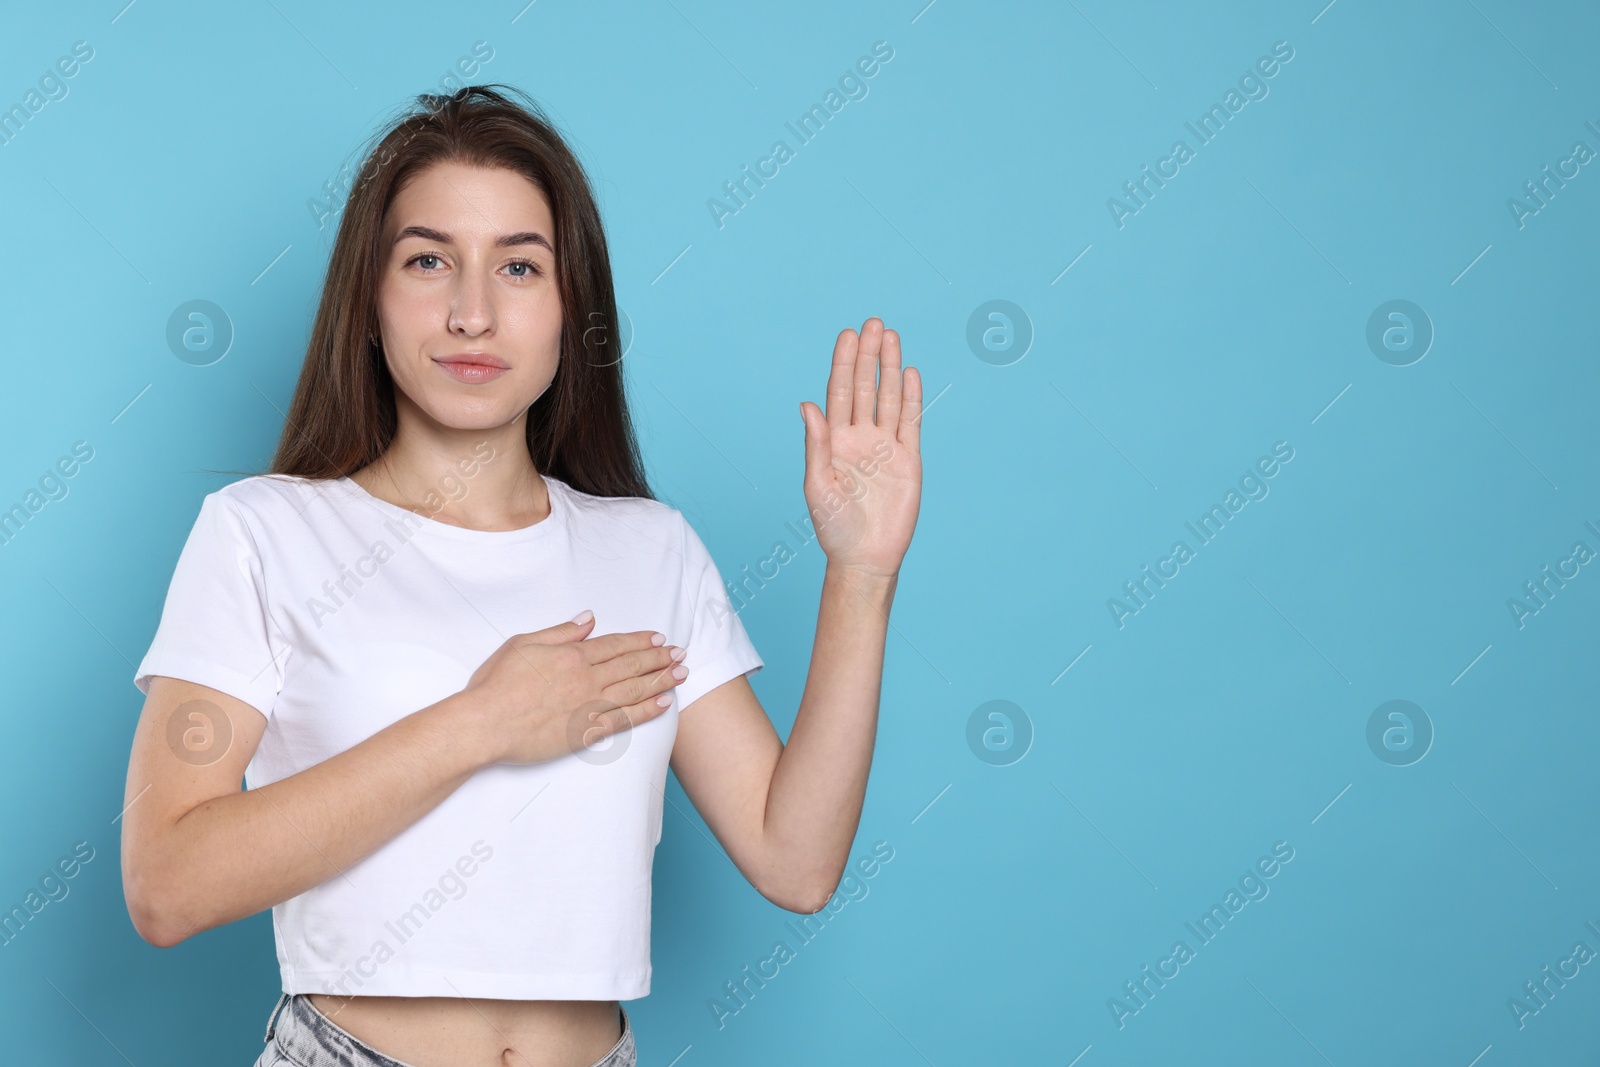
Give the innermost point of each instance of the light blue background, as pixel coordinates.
(1225, 316)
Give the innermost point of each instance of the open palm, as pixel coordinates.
(863, 481)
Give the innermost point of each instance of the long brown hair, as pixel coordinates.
(343, 415)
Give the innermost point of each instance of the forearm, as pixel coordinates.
(238, 854)
(819, 784)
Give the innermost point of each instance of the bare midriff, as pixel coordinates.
(459, 1032)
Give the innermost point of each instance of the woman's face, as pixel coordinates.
(468, 302)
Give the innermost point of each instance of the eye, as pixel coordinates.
(533, 268)
(432, 261)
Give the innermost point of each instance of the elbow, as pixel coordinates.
(151, 911)
(797, 881)
(157, 927)
(151, 926)
(803, 899)
(808, 905)
(157, 935)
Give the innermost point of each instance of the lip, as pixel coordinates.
(473, 367)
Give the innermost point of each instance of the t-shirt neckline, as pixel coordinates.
(420, 523)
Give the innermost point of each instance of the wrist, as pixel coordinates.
(862, 577)
(465, 731)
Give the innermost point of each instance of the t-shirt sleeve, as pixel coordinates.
(717, 649)
(215, 626)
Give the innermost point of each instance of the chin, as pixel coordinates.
(479, 416)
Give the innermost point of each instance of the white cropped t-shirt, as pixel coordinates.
(335, 613)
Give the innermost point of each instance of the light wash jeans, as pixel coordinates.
(298, 1035)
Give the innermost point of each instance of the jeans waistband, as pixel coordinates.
(307, 1036)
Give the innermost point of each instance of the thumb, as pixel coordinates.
(574, 630)
(819, 449)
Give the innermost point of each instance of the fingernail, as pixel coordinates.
(658, 639)
(583, 616)
(678, 653)
(680, 673)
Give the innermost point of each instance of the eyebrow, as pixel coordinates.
(510, 240)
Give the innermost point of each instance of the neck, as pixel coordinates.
(478, 479)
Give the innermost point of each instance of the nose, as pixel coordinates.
(472, 304)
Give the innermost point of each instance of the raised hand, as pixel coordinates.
(863, 481)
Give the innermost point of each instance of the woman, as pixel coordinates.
(455, 793)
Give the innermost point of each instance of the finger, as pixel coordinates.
(889, 386)
(640, 689)
(865, 379)
(610, 646)
(819, 444)
(596, 720)
(566, 631)
(839, 378)
(910, 428)
(626, 717)
(653, 664)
